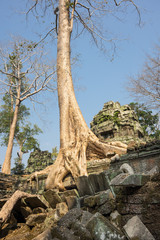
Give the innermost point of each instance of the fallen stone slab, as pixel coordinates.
(101, 229)
(135, 229)
(73, 202)
(68, 193)
(94, 183)
(69, 218)
(84, 186)
(52, 197)
(134, 180)
(34, 219)
(98, 199)
(34, 202)
(97, 182)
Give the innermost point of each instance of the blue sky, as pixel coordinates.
(98, 78)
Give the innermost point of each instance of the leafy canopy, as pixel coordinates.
(148, 120)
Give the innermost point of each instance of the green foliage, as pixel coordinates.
(6, 116)
(148, 121)
(24, 133)
(25, 137)
(115, 119)
(19, 167)
(54, 153)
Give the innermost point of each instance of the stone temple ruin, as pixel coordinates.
(38, 160)
(119, 199)
(116, 122)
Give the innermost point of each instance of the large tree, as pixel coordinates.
(24, 132)
(23, 75)
(77, 142)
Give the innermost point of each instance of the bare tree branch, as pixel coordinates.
(33, 7)
(146, 86)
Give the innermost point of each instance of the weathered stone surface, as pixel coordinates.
(97, 181)
(116, 122)
(61, 209)
(52, 197)
(73, 202)
(135, 229)
(85, 217)
(46, 235)
(51, 218)
(68, 193)
(107, 207)
(73, 215)
(34, 202)
(98, 199)
(89, 185)
(134, 180)
(7, 183)
(153, 171)
(72, 226)
(97, 166)
(63, 233)
(38, 160)
(33, 219)
(80, 231)
(116, 219)
(101, 229)
(84, 186)
(104, 197)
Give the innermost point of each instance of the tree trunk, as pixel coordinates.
(77, 142)
(20, 154)
(6, 168)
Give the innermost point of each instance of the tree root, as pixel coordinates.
(7, 208)
(73, 159)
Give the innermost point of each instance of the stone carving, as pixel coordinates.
(116, 122)
(126, 168)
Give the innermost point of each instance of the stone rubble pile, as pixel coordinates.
(95, 210)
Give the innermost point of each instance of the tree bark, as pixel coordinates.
(6, 168)
(77, 142)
